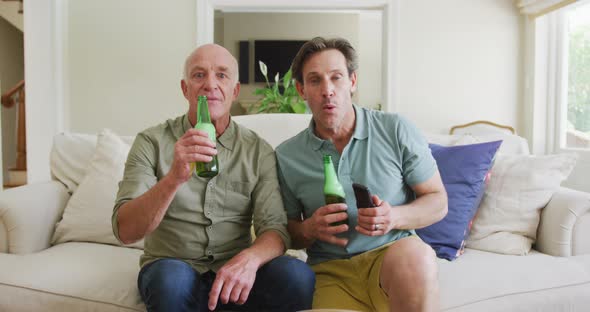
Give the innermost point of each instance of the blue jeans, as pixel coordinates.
(283, 284)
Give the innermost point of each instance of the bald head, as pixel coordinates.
(212, 51)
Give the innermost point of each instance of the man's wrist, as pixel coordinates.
(252, 256)
(307, 235)
(170, 182)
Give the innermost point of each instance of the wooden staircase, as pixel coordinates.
(20, 7)
(16, 96)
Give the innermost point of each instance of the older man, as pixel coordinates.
(374, 262)
(198, 252)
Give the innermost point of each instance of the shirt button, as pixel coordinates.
(210, 228)
(209, 252)
(210, 184)
(208, 213)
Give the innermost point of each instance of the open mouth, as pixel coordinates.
(329, 107)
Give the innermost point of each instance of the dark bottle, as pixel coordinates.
(210, 169)
(333, 191)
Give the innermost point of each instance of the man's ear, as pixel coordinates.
(184, 88)
(353, 82)
(299, 87)
(236, 91)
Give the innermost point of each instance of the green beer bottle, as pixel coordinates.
(333, 191)
(210, 169)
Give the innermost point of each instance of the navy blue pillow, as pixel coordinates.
(463, 170)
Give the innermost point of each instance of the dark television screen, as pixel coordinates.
(276, 54)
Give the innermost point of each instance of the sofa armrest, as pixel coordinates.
(564, 229)
(28, 215)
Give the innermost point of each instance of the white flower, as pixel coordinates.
(277, 78)
(263, 68)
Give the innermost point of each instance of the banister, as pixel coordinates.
(8, 96)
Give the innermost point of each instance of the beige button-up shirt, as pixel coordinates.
(208, 221)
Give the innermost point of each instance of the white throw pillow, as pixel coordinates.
(69, 157)
(87, 216)
(519, 187)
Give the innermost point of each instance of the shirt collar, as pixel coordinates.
(360, 129)
(226, 139)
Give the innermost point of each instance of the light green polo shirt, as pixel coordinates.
(386, 153)
(208, 221)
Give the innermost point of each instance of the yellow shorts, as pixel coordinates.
(351, 284)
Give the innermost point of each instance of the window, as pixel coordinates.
(574, 110)
(557, 86)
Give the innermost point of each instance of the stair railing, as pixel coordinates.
(16, 95)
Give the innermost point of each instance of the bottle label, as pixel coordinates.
(207, 127)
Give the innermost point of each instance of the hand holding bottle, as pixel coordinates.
(193, 146)
(321, 225)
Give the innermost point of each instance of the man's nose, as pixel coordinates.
(210, 82)
(327, 88)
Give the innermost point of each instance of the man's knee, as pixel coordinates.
(288, 278)
(291, 271)
(168, 283)
(411, 261)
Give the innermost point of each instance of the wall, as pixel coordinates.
(124, 64)
(11, 72)
(460, 61)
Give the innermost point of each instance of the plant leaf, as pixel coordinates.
(299, 107)
(287, 80)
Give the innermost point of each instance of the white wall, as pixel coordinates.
(124, 63)
(11, 72)
(369, 49)
(460, 61)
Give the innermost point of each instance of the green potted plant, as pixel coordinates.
(276, 101)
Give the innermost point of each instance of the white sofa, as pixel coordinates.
(83, 276)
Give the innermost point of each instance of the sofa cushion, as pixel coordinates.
(78, 276)
(276, 129)
(511, 144)
(69, 157)
(477, 279)
(463, 170)
(87, 216)
(520, 187)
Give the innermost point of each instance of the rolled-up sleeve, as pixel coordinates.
(139, 175)
(269, 213)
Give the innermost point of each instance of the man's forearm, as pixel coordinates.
(266, 247)
(423, 211)
(298, 238)
(140, 216)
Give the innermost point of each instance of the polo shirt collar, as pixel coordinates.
(360, 129)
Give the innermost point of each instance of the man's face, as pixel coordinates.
(211, 71)
(327, 88)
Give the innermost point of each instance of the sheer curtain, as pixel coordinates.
(537, 8)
